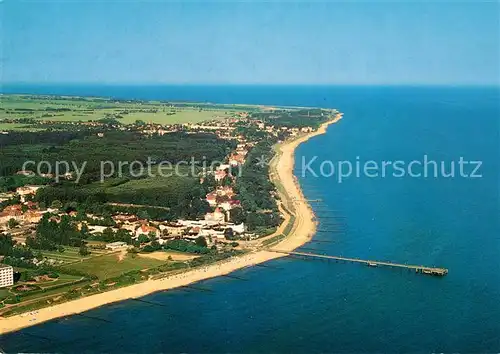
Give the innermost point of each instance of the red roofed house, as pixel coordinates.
(25, 173)
(27, 190)
(219, 175)
(124, 218)
(237, 159)
(216, 216)
(226, 191)
(211, 199)
(146, 230)
(32, 216)
(11, 212)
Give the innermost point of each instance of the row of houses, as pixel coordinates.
(238, 157)
(29, 173)
(29, 213)
(213, 230)
(222, 194)
(222, 198)
(28, 190)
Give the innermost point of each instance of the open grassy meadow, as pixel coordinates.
(71, 254)
(16, 126)
(4, 292)
(113, 265)
(149, 183)
(176, 116)
(63, 279)
(74, 109)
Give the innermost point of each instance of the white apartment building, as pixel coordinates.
(6, 275)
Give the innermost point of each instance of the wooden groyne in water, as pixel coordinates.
(418, 268)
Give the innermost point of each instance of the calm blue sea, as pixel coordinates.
(313, 306)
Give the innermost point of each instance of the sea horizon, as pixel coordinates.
(345, 307)
(250, 177)
(252, 94)
(246, 84)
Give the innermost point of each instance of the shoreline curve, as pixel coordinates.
(302, 231)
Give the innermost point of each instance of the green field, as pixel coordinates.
(63, 279)
(153, 182)
(4, 293)
(180, 116)
(111, 265)
(49, 287)
(160, 117)
(52, 286)
(71, 254)
(16, 126)
(103, 266)
(84, 109)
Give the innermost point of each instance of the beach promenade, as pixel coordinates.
(301, 232)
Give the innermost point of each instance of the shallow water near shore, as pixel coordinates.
(315, 306)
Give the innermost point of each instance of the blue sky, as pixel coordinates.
(243, 42)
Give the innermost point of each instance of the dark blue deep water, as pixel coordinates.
(314, 306)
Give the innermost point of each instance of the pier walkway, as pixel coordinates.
(418, 268)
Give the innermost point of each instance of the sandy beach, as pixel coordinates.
(303, 230)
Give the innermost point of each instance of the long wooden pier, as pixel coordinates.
(307, 200)
(418, 268)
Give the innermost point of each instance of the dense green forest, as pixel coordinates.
(51, 234)
(114, 146)
(51, 138)
(294, 118)
(184, 196)
(10, 183)
(110, 143)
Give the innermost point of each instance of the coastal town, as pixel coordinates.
(275, 177)
(57, 246)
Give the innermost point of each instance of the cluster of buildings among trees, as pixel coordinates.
(205, 212)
